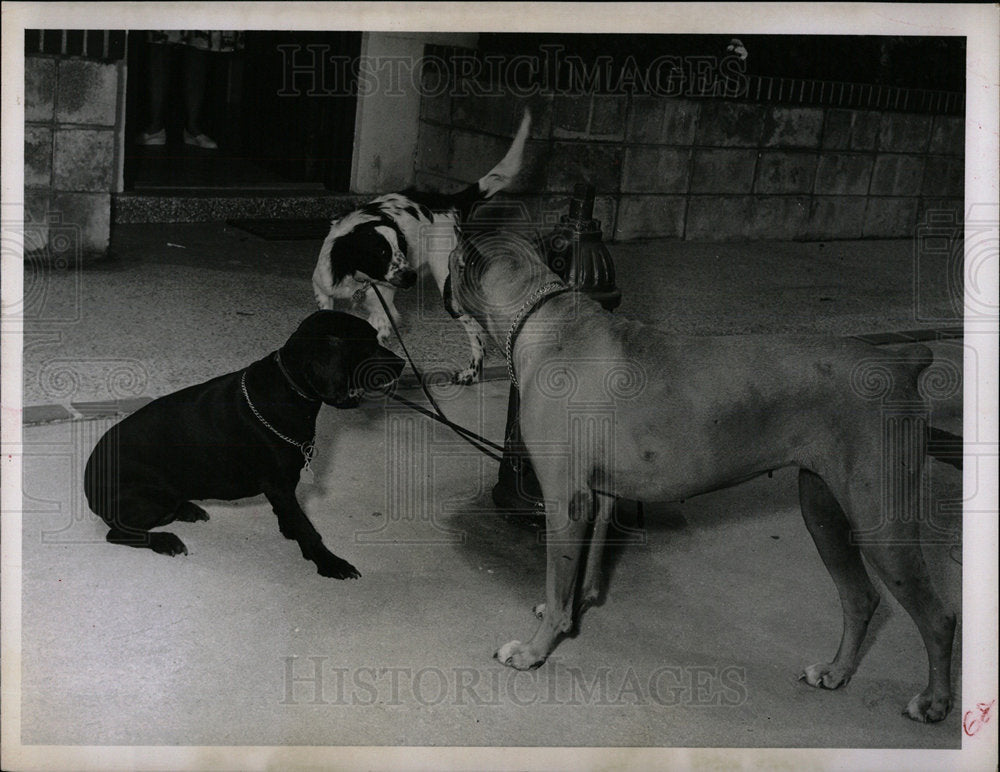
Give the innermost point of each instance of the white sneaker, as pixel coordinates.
(201, 140)
(154, 139)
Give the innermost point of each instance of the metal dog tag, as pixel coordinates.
(309, 453)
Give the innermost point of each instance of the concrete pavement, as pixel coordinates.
(711, 612)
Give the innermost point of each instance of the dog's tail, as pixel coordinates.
(501, 175)
(491, 183)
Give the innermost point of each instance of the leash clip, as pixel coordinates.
(359, 294)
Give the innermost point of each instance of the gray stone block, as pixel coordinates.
(835, 217)
(890, 218)
(433, 148)
(851, 129)
(656, 170)
(843, 174)
(570, 116)
(944, 176)
(435, 99)
(663, 121)
(573, 162)
(793, 127)
(948, 135)
(607, 118)
(650, 217)
(941, 209)
(541, 115)
(437, 183)
(904, 132)
(83, 159)
(897, 175)
(781, 172)
(87, 93)
(779, 217)
(730, 124)
(36, 219)
(534, 168)
(493, 113)
(37, 156)
(39, 88)
(474, 154)
(718, 218)
(723, 171)
(90, 214)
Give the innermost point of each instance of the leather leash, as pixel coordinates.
(479, 442)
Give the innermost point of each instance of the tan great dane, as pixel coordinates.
(611, 407)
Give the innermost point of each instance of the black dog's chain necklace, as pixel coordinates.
(308, 448)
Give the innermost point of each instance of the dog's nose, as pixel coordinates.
(405, 279)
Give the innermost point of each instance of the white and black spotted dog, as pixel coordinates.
(388, 240)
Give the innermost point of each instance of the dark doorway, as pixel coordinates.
(275, 126)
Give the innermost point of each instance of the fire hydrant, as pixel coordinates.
(576, 252)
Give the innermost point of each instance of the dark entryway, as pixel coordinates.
(275, 127)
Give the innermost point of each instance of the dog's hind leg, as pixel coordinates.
(885, 514)
(132, 513)
(566, 532)
(831, 533)
(591, 590)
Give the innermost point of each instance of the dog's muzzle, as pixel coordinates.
(403, 279)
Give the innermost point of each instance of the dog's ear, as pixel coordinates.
(363, 250)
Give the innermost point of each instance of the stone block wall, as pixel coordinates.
(706, 169)
(73, 122)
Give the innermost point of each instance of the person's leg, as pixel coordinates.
(195, 83)
(157, 81)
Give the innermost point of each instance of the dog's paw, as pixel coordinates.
(518, 656)
(927, 708)
(538, 610)
(335, 568)
(825, 676)
(166, 544)
(189, 512)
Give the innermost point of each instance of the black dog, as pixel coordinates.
(236, 436)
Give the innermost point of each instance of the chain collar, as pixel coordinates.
(546, 291)
(308, 448)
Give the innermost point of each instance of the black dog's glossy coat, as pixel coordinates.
(205, 442)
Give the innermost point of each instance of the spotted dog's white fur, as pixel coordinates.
(430, 235)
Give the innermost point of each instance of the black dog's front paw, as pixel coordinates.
(166, 544)
(336, 568)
